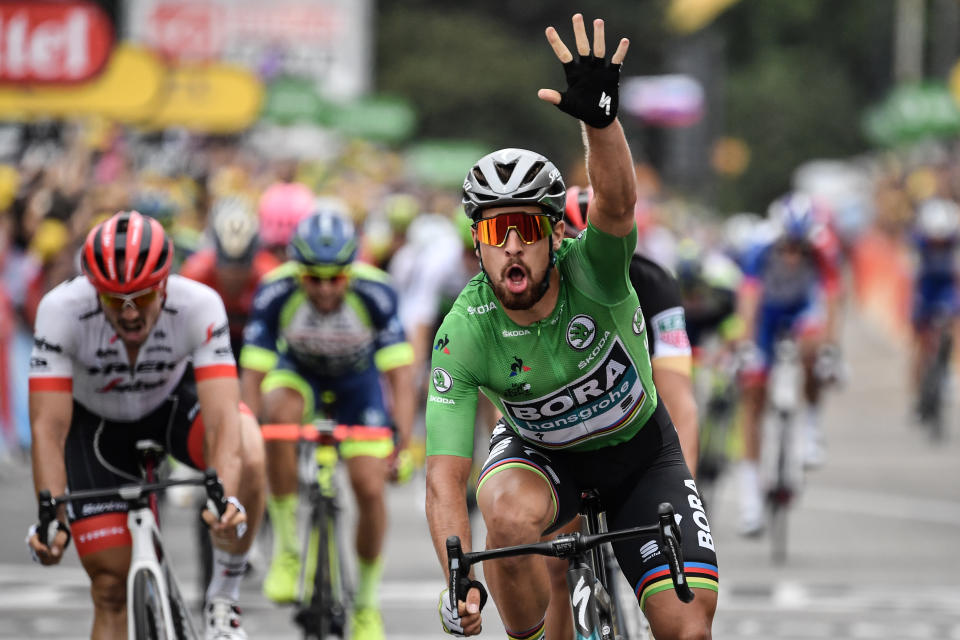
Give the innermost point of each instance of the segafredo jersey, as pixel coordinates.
(578, 379)
(76, 349)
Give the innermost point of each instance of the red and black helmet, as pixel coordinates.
(129, 252)
(575, 212)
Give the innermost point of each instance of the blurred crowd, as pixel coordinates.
(60, 179)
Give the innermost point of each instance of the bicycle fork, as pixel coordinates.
(590, 621)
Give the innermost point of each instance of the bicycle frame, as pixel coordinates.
(147, 553)
(594, 611)
(626, 622)
(783, 465)
(316, 468)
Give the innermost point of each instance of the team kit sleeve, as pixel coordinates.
(260, 336)
(391, 349)
(210, 333)
(452, 393)
(603, 262)
(662, 306)
(51, 360)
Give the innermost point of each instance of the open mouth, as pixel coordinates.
(516, 279)
(131, 329)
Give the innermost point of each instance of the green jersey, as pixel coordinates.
(578, 379)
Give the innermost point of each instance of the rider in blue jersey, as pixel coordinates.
(791, 286)
(936, 238)
(323, 332)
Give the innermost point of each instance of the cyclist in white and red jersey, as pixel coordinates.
(127, 353)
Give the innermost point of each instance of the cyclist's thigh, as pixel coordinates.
(635, 503)
(100, 454)
(508, 451)
(287, 375)
(184, 434)
(773, 321)
(359, 401)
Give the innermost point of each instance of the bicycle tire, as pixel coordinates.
(940, 373)
(148, 621)
(314, 616)
(780, 496)
(629, 621)
(205, 553)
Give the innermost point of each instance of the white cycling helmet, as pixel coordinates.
(938, 219)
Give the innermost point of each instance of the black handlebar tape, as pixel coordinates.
(460, 582)
(47, 511)
(214, 490)
(670, 534)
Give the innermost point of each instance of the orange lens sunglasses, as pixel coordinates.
(530, 227)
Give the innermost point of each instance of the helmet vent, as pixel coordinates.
(533, 172)
(480, 178)
(531, 193)
(504, 171)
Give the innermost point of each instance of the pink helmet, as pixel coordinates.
(282, 206)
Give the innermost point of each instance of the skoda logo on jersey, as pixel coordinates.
(581, 331)
(638, 324)
(442, 381)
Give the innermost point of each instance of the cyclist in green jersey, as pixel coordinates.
(551, 331)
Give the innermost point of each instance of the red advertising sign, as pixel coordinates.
(52, 42)
(186, 30)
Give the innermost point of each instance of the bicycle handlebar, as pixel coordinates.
(324, 432)
(569, 546)
(130, 493)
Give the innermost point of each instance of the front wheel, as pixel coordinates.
(629, 620)
(148, 621)
(317, 616)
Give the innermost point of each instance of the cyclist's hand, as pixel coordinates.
(829, 366)
(466, 621)
(52, 553)
(748, 356)
(401, 466)
(593, 92)
(228, 528)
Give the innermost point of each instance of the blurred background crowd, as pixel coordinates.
(172, 107)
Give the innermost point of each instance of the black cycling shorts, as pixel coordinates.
(632, 479)
(102, 453)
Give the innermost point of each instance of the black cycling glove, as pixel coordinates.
(593, 90)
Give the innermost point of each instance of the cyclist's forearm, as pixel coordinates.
(676, 392)
(446, 507)
(50, 416)
(47, 455)
(225, 451)
(610, 167)
(404, 396)
(250, 380)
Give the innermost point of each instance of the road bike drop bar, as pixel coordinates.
(130, 493)
(569, 546)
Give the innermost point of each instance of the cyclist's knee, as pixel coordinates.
(109, 591)
(368, 479)
(557, 570)
(282, 405)
(254, 458)
(515, 517)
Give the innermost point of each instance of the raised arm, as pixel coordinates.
(592, 96)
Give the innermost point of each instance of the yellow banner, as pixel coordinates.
(687, 16)
(213, 98)
(126, 91)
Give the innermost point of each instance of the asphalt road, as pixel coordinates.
(871, 542)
